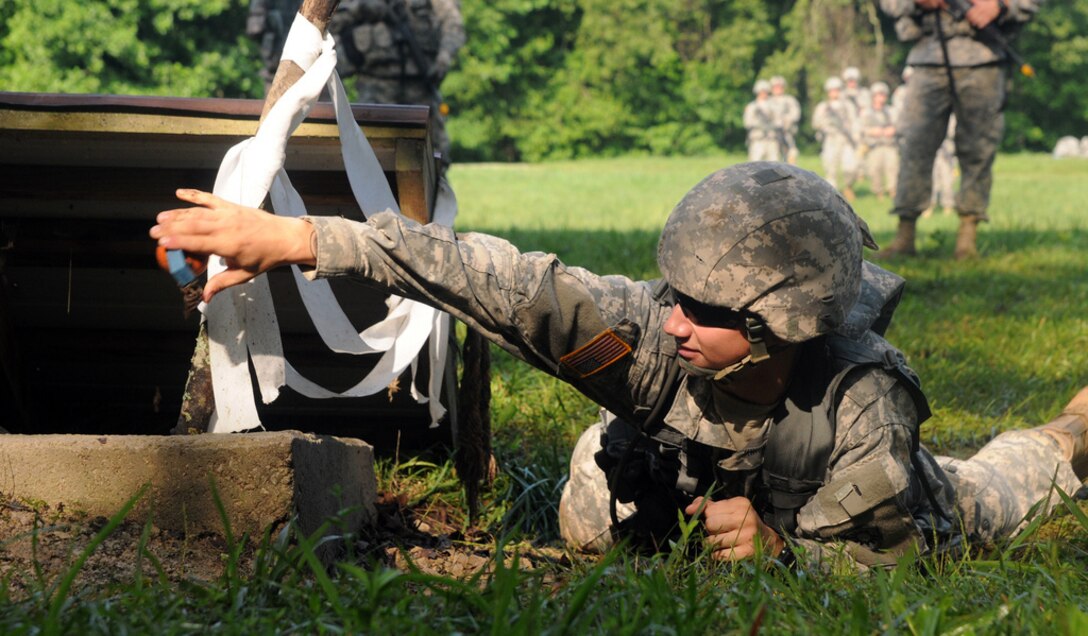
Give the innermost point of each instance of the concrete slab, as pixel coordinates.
(263, 479)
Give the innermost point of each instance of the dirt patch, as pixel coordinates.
(39, 543)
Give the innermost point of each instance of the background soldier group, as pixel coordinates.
(771, 121)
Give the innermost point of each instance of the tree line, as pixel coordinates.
(549, 79)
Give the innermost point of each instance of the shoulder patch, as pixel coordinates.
(602, 351)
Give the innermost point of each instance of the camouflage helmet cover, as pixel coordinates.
(851, 73)
(761, 86)
(832, 83)
(879, 87)
(769, 239)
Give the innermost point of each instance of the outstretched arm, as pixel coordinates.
(250, 240)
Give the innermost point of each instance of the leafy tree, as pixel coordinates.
(165, 47)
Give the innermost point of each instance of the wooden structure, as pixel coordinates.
(92, 336)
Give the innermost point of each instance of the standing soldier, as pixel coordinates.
(853, 91)
(788, 110)
(763, 126)
(957, 69)
(835, 121)
(878, 135)
(400, 51)
(268, 23)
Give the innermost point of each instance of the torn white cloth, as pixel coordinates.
(241, 321)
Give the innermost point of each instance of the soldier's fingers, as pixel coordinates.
(223, 280)
(695, 507)
(736, 553)
(199, 197)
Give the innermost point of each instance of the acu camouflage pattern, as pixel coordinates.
(965, 48)
(539, 309)
(268, 23)
(835, 124)
(923, 122)
(770, 239)
(766, 135)
(372, 45)
(980, 79)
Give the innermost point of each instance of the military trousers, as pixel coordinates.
(997, 489)
(840, 160)
(882, 167)
(979, 104)
(764, 150)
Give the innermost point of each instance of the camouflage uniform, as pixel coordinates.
(882, 154)
(604, 335)
(765, 138)
(268, 23)
(979, 77)
(899, 95)
(788, 111)
(373, 44)
(835, 123)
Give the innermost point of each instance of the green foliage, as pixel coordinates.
(164, 47)
(1054, 103)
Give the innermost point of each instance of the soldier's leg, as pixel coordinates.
(585, 522)
(923, 123)
(998, 486)
(874, 166)
(830, 161)
(848, 159)
(980, 125)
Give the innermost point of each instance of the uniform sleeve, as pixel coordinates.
(819, 117)
(898, 8)
(1021, 10)
(530, 304)
(452, 27)
(862, 516)
(750, 120)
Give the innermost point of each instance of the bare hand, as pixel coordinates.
(983, 13)
(250, 240)
(734, 528)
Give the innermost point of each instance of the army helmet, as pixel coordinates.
(761, 86)
(879, 87)
(832, 83)
(770, 241)
(851, 73)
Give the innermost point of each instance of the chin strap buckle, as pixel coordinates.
(756, 330)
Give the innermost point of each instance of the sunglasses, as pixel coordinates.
(706, 315)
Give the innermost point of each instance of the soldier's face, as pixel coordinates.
(778, 89)
(706, 346)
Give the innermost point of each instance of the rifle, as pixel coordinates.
(780, 135)
(840, 125)
(959, 8)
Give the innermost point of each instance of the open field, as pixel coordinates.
(1000, 342)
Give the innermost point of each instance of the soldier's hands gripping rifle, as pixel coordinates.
(992, 34)
(766, 123)
(838, 124)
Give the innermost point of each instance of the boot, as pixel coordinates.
(1071, 430)
(903, 243)
(965, 238)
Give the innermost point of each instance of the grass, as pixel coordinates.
(1000, 342)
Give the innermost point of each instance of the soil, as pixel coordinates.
(38, 543)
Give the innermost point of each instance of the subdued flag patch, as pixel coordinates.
(597, 354)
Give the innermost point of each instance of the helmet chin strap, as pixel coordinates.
(755, 331)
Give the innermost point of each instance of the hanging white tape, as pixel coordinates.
(242, 324)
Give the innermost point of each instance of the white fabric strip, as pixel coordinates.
(242, 323)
